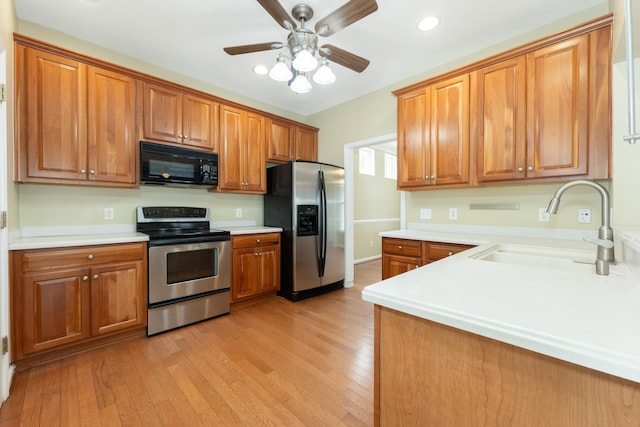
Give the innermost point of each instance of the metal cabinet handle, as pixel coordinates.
(85, 278)
(95, 277)
(180, 135)
(186, 137)
(92, 172)
(399, 247)
(530, 168)
(257, 240)
(83, 171)
(89, 257)
(450, 253)
(520, 169)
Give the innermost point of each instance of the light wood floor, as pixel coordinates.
(308, 363)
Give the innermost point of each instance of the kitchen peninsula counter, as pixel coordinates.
(585, 319)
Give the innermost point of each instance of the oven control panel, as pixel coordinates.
(172, 212)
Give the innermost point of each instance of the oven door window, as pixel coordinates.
(191, 265)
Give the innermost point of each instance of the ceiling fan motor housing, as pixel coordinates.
(302, 12)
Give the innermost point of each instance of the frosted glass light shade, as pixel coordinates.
(281, 72)
(301, 84)
(324, 75)
(305, 61)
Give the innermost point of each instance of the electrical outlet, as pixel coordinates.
(543, 215)
(238, 212)
(584, 216)
(453, 213)
(108, 213)
(425, 213)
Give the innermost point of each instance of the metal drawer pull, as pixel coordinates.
(90, 257)
(95, 277)
(85, 278)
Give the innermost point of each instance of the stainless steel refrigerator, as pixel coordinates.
(306, 199)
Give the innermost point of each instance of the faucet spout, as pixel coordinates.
(605, 254)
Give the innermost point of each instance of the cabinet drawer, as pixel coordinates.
(438, 251)
(48, 259)
(410, 248)
(251, 240)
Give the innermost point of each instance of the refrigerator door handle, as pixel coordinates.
(322, 237)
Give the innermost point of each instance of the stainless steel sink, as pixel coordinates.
(576, 261)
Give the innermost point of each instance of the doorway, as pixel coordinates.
(350, 171)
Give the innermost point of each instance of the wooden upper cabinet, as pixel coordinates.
(53, 119)
(75, 122)
(288, 141)
(242, 165)
(558, 109)
(306, 144)
(501, 120)
(111, 124)
(433, 139)
(170, 115)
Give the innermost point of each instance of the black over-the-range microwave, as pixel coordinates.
(168, 165)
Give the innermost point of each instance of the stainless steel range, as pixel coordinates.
(189, 266)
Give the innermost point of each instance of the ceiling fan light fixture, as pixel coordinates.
(281, 71)
(300, 84)
(305, 61)
(324, 75)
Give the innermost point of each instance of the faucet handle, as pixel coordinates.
(600, 242)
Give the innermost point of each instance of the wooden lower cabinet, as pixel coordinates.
(67, 296)
(429, 374)
(255, 265)
(402, 255)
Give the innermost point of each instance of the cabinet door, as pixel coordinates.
(111, 127)
(557, 109)
(254, 163)
(200, 122)
(55, 124)
(162, 113)
(55, 309)
(449, 127)
(270, 268)
(230, 164)
(118, 298)
(501, 121)
(279, 141)
(392, 265)
(246, 266)
(306, 144)
(413, 154)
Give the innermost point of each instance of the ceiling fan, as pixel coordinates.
(302, 42)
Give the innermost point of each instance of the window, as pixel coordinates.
(390, 166)
(367, 161)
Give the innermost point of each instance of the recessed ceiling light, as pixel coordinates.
(260, 69)
(428, 23)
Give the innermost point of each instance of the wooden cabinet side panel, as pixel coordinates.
(431, 374)
(111, 127)
(600, 127)
(162, 113)
(450, 131)
(413, 155)
(56, 122)
(557, 108)
(501, 121)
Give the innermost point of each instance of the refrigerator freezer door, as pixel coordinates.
(305, 248)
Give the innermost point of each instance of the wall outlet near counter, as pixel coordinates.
(453, 213)
(238, 212)
(425, 213)
(108, 213)
(584, 216)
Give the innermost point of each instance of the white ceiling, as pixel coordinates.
(187, 37)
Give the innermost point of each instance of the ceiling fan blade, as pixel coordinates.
(277, 12)
(347, 14)
(344, 58)
(248, 48)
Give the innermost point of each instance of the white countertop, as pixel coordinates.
(586, 319)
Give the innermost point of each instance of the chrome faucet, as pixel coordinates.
(605, 254)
